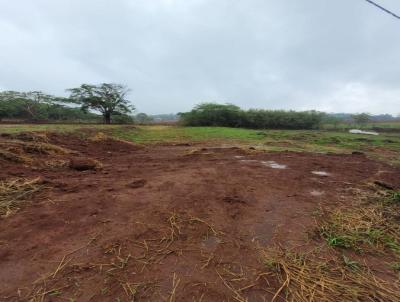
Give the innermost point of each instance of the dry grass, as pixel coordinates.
(14, 192)
(98, 137)
(14, 157)
(309, 279)
(43, 148)
(57, 163)
(370, 226)
(17, 151)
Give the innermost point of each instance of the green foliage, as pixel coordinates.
(107, 98)
(122, 119)
(279, 119)
(396, 266)
(351, 264)
(210, 114)
(361, 119)
(143, 118)
(396, 197)
(37, 106)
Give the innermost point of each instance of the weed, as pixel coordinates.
(396, 197)
(396, 266)
(351, 264)
(366, 228)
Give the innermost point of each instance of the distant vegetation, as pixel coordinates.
(87, 103)
(107, 103)
(228, 115)
(210, 114)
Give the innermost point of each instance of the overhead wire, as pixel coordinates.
(384, 9)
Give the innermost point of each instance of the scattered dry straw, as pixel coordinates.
(14, 157)
(370, 226)
(13, 192)
(307, 279)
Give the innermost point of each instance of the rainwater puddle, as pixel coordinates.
(321, 173)
(317, 193)
(270, 163)
(274, 165)
(248, 161)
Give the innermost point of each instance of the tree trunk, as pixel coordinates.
(107, 118)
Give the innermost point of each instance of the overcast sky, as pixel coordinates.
(330, 55)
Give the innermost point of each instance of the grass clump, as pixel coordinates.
(361, 229)
(306, 278)
(14, 192)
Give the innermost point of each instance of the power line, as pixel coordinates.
(384, 9)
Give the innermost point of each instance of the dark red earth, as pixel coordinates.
(167, 223)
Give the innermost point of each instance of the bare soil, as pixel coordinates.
(167, 222)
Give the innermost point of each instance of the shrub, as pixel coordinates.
(228, 115)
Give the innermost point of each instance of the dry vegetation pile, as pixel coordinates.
(35, 150)
(14, 192)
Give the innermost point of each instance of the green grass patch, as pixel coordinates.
(171, 134)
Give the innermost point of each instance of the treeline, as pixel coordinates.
(87, 103)
(210, 114)
(35, 110)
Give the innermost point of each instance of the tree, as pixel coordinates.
(212, 114)
(109, 99)
(30, 102)
(361, 119)
(143, 118)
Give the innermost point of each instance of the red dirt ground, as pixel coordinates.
(165, 223)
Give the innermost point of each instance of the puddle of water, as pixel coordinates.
(249, 161)
(356, 131)
(239, 156)
(317, 193)
(320, 173)
(274, 165)
(270, 163)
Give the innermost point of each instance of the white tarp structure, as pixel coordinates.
(356, 131)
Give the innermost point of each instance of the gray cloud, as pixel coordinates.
(327, 55)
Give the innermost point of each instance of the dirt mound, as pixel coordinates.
(44, 151)
(157, 225)
(84, 164)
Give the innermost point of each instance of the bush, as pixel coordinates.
(122, 119)
(210, 114)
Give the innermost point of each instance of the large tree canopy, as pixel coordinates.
(106, 98)
(31, 103)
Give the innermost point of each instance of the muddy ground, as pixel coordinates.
(168, 222)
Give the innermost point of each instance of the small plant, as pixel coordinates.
(396, 266)
(351, 264)
(396, 197)
(362, 229)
